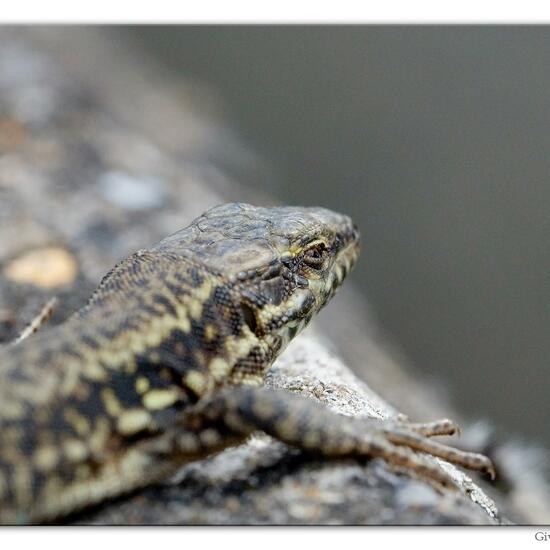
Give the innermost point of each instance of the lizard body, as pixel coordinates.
(165, 363)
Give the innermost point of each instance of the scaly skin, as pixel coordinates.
(164, 363)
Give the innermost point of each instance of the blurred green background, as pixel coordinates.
(437, 141)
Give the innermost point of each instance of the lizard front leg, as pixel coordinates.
(310, 426)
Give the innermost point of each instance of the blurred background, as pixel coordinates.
(437, 141)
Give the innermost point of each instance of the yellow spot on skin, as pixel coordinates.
(77, 421)
(131, 365)
(183, 322)
(189, 443)
(238, 348)
(346, 445)
(210, 332)
(71, 378)
(133, 421)
(219, 368)
(196, 381)
(142, 384)
(48, 268)
(75, 450)
(99, 436)
(210, 437)
(45, 458)
(94, 372)
(156, 400)
(288, 427)
(111, 402)
(52, 487)
(240, 378)
(263, 409)
(195, 309)
(312, 439)
(233, 420)
(12, 411)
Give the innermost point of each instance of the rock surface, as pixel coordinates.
(92, 176)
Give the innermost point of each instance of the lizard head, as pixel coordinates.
(282, 263)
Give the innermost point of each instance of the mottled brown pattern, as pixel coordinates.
(162, 366)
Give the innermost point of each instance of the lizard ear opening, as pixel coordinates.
(249, 317)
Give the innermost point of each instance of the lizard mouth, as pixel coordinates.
(343, 264)
(322, 290)
(347, 258)
(344, 261)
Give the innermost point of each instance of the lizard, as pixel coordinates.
(164, 365)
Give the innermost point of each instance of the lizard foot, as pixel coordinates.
(310, 426)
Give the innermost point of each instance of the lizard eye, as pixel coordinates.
(315, 256)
